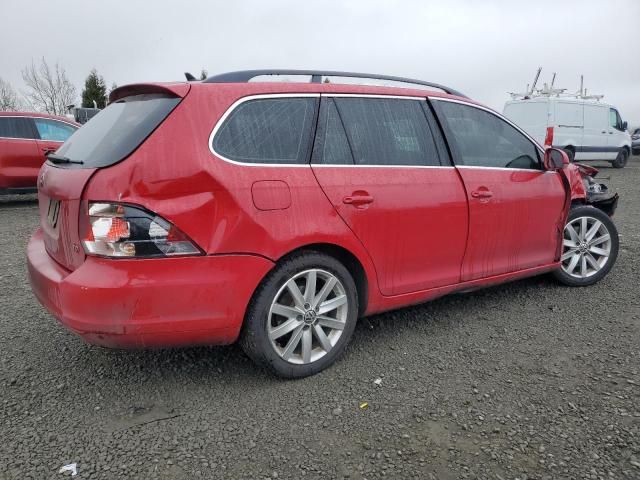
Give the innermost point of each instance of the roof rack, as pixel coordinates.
(244, 76)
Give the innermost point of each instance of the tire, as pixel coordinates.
(598, 252)
(621, 159)
(274, 304)
(570, 153)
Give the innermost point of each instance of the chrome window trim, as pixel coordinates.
(501, 117)
(242, 100)
(366, 95)
(239, 102)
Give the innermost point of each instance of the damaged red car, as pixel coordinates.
(278, 213)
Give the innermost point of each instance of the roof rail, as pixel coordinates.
(244, 76)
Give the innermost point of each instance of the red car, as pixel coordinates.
(279, 213)
(25, 140)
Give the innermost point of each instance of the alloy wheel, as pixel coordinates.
(307, 316)
(586, 247)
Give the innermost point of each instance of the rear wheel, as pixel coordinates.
(589, 247)
(621, 159)
(302, 316)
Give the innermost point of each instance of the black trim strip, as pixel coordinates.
(589, 149)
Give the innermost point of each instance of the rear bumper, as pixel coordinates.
(147, 303)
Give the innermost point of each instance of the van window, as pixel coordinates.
(483, 139)
(384, 131)
(117, 130)
(272, 130)
(16, 127)
(614, 119)
(53, 130)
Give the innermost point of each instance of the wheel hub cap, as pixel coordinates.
(307, 316)
(586, 247)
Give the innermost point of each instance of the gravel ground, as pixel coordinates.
(528, 380)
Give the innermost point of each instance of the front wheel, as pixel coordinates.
(589, 247)
(302, 316)
(621, 159)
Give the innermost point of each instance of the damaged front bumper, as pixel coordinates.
(599, 195)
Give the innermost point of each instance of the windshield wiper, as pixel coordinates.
(60, 159)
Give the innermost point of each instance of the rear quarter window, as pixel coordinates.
(267, 130)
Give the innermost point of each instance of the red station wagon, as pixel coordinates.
(25, 140)
(278, 213)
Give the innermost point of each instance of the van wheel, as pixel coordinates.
(621, 159)
(302, 316)
(589, 247)
(570, 153)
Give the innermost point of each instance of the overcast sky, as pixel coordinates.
(482, 48)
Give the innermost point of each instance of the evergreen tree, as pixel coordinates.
(94, 89)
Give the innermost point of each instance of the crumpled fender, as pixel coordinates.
(584, 189)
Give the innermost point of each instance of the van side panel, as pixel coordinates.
(596, 121)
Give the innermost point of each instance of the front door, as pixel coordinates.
(617, 135)
(383, 165)
(515, 208)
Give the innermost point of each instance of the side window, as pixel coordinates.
(332, 146)
(614, 119)
(16, 127)
(53, 130)
(384, 131)
(274, 130)
(485, 140)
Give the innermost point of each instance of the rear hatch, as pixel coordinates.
(110, 137)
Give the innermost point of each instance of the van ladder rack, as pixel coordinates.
(244, 76)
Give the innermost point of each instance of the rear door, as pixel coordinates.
(383, 165)
(20, 158)
(516, 209)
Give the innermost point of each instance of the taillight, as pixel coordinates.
(548, 140)
(121, 230)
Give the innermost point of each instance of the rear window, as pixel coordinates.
(16, 127)
(274, 130)
(117, 131)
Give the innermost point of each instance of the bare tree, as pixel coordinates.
(9, 100)
(49, 88)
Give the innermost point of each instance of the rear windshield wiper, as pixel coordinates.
(60, 159)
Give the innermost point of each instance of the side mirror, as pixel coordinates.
(555, 159)
(624, 126)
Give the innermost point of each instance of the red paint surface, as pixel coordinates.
(21, 159)
(515, 227)
(419, 233)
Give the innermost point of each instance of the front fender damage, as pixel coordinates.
(586, 189)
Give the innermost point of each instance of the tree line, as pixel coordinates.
(48, 89)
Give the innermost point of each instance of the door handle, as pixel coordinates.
(357, 200)
(482, 193)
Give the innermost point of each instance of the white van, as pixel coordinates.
(586, 129)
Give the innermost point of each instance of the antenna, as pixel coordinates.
(553, 80)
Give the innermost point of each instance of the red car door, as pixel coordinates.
(19, 152)
(515, 207)
(388, 177)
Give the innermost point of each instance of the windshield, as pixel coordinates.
(116, 131)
